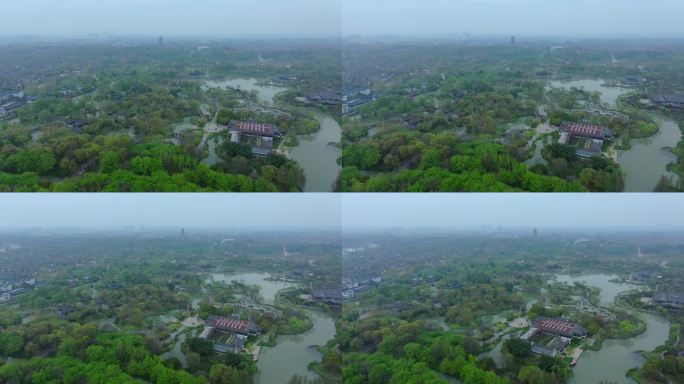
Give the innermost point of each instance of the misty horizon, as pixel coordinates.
(175, 210)
(647, 211)
(348, 212)
(562, 19)
(172, 18)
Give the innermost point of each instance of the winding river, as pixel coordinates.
(316, 153)
(616, 357)
(646, 161)
(293, 353)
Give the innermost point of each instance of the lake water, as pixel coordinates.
(293, 354)
(609, 95)
(269, 288)
(265, 93)
(318, 157)
(616, 357)
(609, 289)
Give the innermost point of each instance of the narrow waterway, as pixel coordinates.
(212, 158)
(495, 353)
(176, 351)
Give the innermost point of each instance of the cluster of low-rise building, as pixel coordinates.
(12, 100)
(325, 98)
(355, 99)
(673, 300)
(351, 286)
(331, 295)
(10, 289)
(672, 100)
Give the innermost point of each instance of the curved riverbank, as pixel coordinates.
(647, 160)
(617, 356)
(293, 353)
(317, 157)
(314, 153)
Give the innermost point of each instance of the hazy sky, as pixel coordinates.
(336, 211)
(292, 18)
(269, 211)
(515, 17)
(465, 210)
(224, 18)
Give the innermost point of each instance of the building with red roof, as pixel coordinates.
(232, 325)
(254, 128)
(587, 130)
(559, 327)
(258, 135)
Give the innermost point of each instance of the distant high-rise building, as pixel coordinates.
(535, 234)
(183, 232)
(513, 41)
(161, 41)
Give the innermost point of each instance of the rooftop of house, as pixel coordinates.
(589, 148)
(327, 293)
(586, 130)
(253, 128)
(558, 326)
(75, 123)
(228, 323)
(321, 95)
(670, 297)
(231, 324)
(669, 98)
